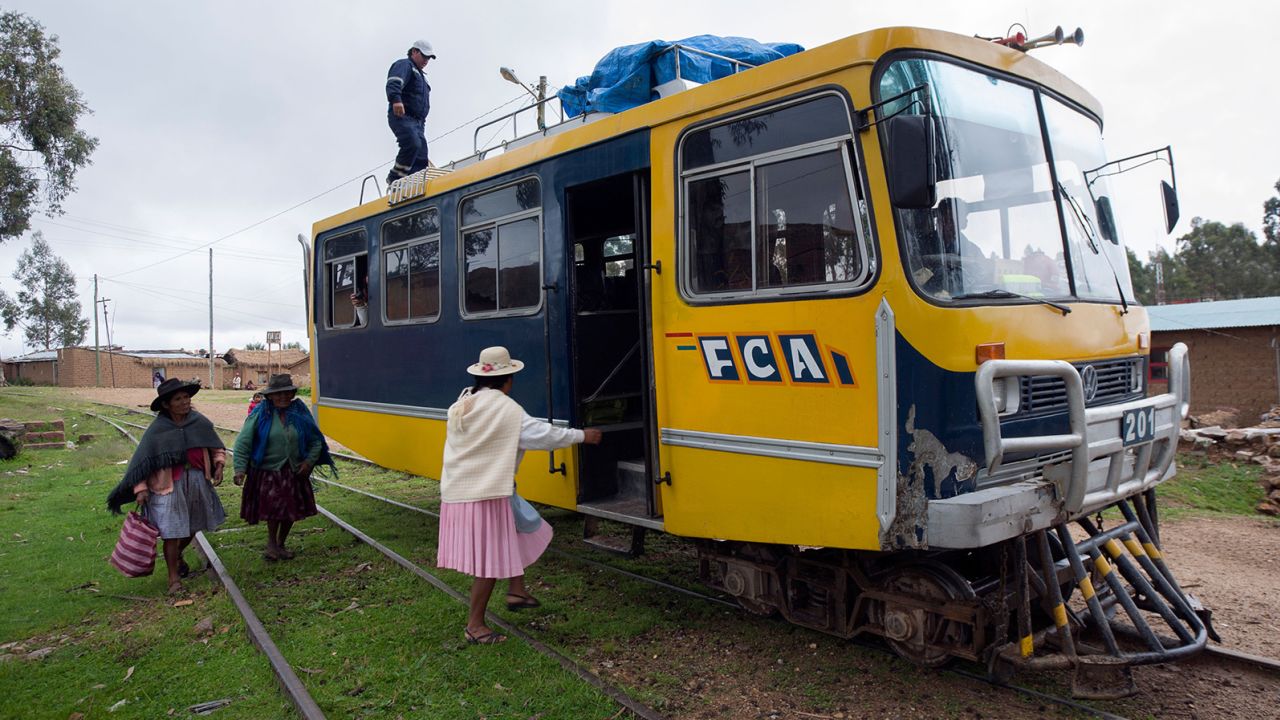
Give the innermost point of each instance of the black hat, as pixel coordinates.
(171, 386)
(279, 383)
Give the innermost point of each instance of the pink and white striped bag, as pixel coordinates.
(135, 553)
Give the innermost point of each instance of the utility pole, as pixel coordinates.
(542, 102)
(211, 385)
(110, 355)
(97, 349)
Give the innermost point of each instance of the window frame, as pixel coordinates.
(855, 185)
(327, 264)
(406, 245)
(496, 224)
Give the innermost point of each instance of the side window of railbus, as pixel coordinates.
(773, 205)
(501, 250)
(346, 266)
(411, 267)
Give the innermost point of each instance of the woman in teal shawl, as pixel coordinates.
(276, 451)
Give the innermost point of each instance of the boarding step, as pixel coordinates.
(593, 535)
(632, 479)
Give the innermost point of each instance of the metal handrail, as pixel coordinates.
(475, 138)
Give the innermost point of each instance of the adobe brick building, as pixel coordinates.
(259, 365)
(1234, 347)
(75, 367)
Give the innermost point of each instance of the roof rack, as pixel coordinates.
(664, 90)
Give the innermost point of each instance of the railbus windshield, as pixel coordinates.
(1015, 216)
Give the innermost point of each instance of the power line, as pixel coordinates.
(317, 196)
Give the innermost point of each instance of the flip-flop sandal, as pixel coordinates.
(177, 589)
(489, 638)
(286, 554)
(270, 555)
(525, 602)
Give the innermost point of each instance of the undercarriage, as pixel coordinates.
(1097, 599)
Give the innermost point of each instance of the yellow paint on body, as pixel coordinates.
(1152, 550)
(1103, 567)
(1114, 549)
(726, 495)
(415, 445)
(1028, 646)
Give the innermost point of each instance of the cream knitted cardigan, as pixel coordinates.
(480, 447)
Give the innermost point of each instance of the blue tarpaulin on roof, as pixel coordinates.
(626, 77)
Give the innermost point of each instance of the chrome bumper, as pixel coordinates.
(1101, 468)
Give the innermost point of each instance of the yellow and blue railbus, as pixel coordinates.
(858, 322)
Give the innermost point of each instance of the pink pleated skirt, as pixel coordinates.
(480, 539)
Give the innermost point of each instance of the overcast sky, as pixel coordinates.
(222, 122)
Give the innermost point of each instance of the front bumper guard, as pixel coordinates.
(1101, 469)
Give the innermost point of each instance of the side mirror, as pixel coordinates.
(1106, 220)
(910, 149)
(1170, 205)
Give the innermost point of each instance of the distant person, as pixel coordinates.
(408, 102)
(156, 378)
(173, 473)
(275, 453)
(253, 402)
(235, 383)
(250, 386)
(486, 436)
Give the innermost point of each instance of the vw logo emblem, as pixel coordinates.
(1089, 378)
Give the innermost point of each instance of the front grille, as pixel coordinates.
(1116, 380)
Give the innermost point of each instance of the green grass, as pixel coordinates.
(1201, 486)
(368, 639)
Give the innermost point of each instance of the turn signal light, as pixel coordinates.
(988, 351)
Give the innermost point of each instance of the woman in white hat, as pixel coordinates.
(488, 433)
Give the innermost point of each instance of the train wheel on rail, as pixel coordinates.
(921, 636)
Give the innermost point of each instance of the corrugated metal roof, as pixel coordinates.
(41, 356)
(144, 354)
(1250, 312)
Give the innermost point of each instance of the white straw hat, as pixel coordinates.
(495, 361)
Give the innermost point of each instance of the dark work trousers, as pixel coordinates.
(411, 136)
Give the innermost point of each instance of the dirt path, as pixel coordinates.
(226, 408)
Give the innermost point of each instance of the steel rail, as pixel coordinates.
(617, 695)
(288, 680)
(1220, 652)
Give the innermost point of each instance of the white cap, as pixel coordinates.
(424, 47)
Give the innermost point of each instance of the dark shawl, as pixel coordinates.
(163, 445)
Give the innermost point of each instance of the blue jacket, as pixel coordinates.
(407, 84)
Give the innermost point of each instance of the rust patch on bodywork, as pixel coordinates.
(930, 463)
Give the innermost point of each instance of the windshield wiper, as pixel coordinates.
(999, 293)
(1086, 224)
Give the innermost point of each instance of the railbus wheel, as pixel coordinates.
(915, 625)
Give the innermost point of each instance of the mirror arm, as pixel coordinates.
(862, 118)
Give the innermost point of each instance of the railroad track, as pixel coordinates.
(285, 675)
(1225, 654)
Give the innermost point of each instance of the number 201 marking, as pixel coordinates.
(1139, 425)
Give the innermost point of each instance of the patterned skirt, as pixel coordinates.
(191, 507)
(276, 495)
(480, 539)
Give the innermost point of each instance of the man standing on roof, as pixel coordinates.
(408, 102)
